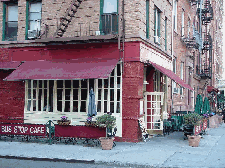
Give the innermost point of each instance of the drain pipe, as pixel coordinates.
(172, 31)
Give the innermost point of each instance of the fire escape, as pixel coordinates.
(65, 21)
(204, 69)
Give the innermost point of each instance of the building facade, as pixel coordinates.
(135, 55)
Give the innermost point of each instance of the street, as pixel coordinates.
(16, 163)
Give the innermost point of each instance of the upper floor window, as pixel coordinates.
(175, 15)
(34, 18)
(182, 24)
(189, 27)
(157, 26)
(109, 19)
(165, 33)
(10, 21)
(147, 19)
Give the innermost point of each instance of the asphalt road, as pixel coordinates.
(16, 163)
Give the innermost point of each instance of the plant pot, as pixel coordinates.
(60, 122)
(106, 143)
(194, 140)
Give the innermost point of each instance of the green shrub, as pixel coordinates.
(106, 120)
(192, 119)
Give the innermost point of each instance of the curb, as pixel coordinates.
(48, 159)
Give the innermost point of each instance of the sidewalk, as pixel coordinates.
(168, 151)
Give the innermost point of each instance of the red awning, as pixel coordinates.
(9, 65)
(171, 75)
(66, 69)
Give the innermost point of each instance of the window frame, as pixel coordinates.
(157, 16)
(147, 19)
(28, 2)
(182, 23)
(4, 20)
(35, 99)
(102, 12)
(175, 15)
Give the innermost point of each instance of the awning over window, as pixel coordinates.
(9, 65)
(64, 69)
(171, 75)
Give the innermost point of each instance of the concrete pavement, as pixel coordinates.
(168, 151)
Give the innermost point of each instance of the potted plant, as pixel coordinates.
(90, 123)
(109, 122)
(64, 121)
(191, 120)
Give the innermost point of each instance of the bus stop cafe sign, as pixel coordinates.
(23, 129)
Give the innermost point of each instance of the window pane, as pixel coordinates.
(106, 83)
(39, 99)
(112, 82)
(34, 93)
(40, 84)
(118, 107)
(29, 93)
(83, 94)
(34, 25)
(105, 106)
(59, 83)
(29, 83)
(34, 84)
(67, 94)
(59, 94)
(118, 95)
(28, 105)
(118, 70)
(13, 13)
(84, 83)
(34, 105)
(67, 106)
(99, 106)
(112, 73)
(45, 83)
(110, 6)
(35, 16)
(75, 94)
(112, 107)
(75, 106)
(99, 94)
(83, 106)
(68, 84)
(118, 82)
(35, 7)
(91, 84)
(111, 94)
(45, 100)
(59, 106)
(105, 94)
(50, 100)
(100, 83)
(76, 84)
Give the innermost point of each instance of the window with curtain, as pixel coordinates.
(10, 14)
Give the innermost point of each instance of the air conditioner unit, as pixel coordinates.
(32, 34)
(176, 90)
(157, 39)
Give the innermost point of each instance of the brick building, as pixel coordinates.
(53, 52)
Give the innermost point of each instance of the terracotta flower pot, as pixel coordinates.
(106, 143)
(194, 140)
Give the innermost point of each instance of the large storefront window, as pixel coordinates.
(72, 96)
